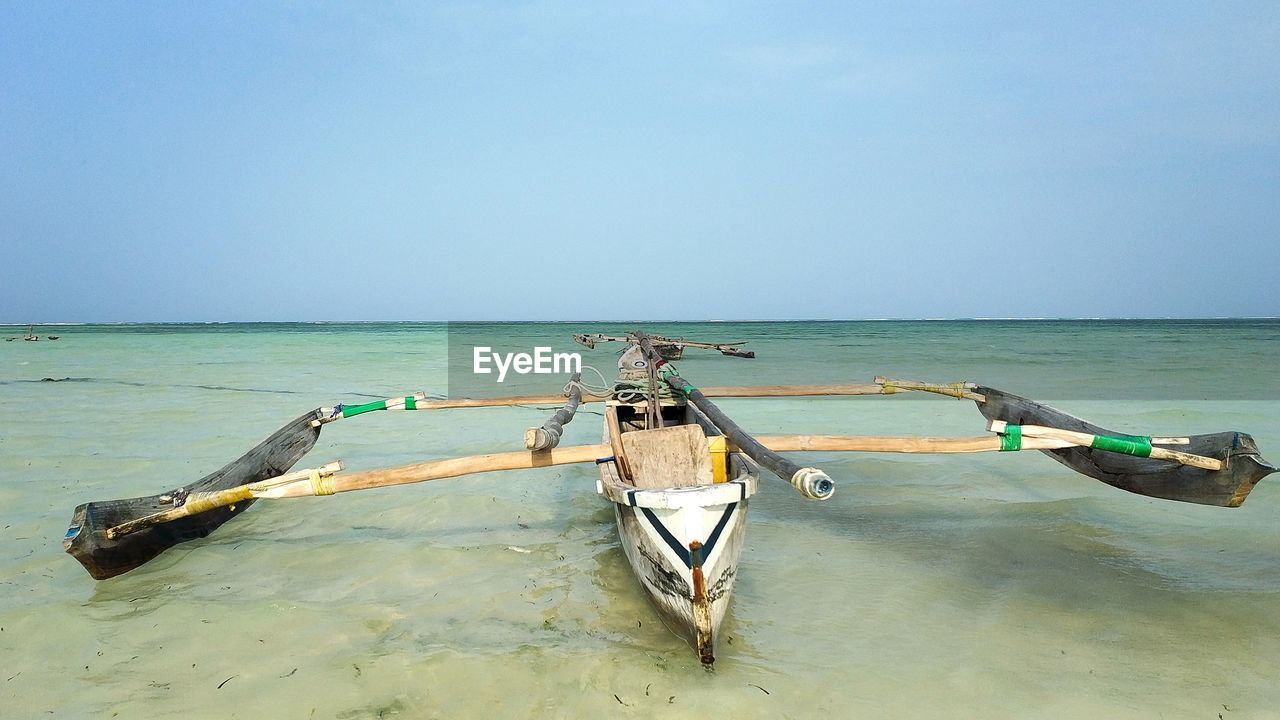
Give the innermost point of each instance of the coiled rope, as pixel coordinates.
(632, 386)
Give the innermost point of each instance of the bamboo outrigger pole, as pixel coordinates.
(959, 391)
(419, 401)
(896, 444)
(326, 481)
(811, 482)
(1125, 445)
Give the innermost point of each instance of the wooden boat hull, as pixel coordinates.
(656, 543)
(684, 545)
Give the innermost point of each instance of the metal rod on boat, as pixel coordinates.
(810, 482)
(548, 436)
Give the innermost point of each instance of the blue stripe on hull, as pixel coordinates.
(681, 551)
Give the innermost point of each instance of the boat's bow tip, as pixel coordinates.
(1246, 469)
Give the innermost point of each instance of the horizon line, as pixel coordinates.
(633, 320)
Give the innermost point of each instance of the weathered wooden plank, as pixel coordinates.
(673, 456)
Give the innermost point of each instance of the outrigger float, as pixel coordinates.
(679, 472)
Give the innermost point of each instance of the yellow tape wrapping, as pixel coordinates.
(719, 458)
(202, 502)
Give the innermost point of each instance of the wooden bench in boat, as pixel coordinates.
(667, 457)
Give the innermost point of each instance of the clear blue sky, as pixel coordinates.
(450, 161)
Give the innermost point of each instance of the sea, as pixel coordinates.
(994, 585)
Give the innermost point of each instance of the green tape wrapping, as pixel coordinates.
(667, 370)
(1011, 438)
(410, 403)
(353, 410)
(1132, 445)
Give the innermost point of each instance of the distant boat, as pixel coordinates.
(30, 334)
(51, 337)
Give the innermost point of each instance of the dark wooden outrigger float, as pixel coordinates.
(677, 469)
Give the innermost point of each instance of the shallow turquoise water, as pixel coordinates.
(962, 586)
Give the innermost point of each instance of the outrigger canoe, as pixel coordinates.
(678, 471)
(681, 504)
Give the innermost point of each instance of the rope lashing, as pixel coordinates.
(630, 391)
(321, 483)
(604, 389)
